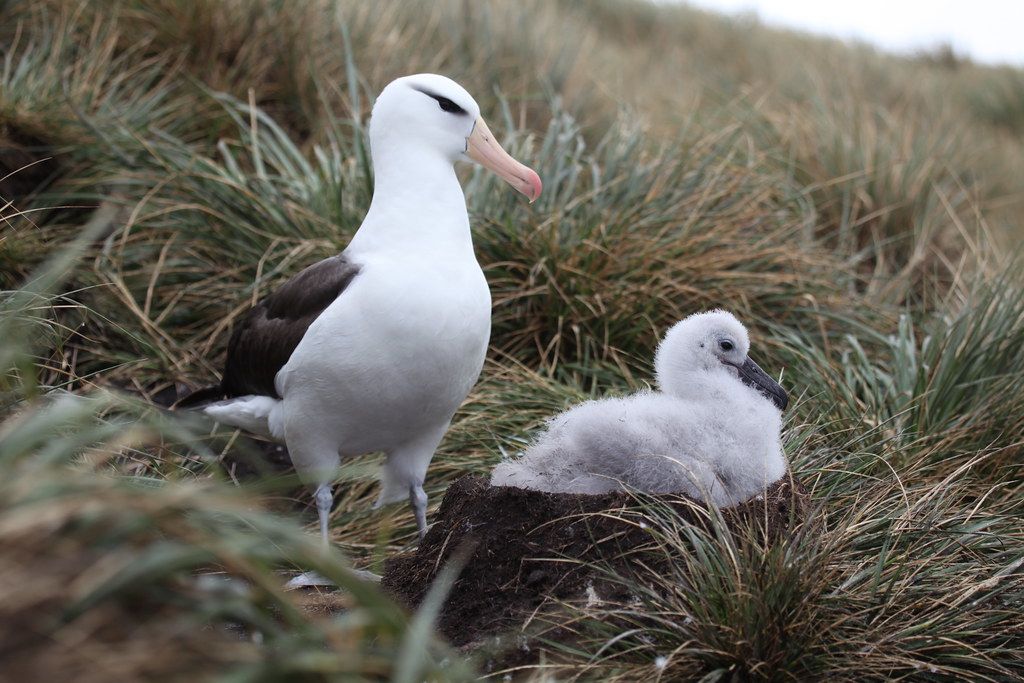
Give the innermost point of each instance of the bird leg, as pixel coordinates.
(418, 501)
(324, 501)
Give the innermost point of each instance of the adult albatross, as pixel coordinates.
(375, 348)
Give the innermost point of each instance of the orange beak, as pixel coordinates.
(482, 148)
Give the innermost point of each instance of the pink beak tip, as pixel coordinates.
(536, 186)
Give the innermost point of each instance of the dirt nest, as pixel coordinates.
(528, 547)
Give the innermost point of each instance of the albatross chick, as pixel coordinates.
(711, 433)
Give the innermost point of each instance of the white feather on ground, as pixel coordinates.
(708, 434)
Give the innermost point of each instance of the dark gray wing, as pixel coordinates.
(266, 337)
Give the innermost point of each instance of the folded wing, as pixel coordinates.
(265, 338)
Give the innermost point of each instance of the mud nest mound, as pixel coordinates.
(527, 547)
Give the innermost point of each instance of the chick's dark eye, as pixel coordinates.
(725, 345)
(449, 106)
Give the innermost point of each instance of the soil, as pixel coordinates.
(527, 548)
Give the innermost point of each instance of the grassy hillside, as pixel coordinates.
(859, 211)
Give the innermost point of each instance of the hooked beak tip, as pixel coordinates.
(533, 181)
(482, 148)
(751, 374)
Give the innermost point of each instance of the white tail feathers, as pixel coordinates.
(252, 413)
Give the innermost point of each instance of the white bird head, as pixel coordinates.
(711, 342)
(432, 114)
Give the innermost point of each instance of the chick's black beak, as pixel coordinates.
(753, 376)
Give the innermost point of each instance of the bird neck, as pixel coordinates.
(417, 204)
(707, 384)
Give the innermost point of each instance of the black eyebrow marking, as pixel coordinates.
(445, 103)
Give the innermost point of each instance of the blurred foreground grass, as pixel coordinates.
(857, 209)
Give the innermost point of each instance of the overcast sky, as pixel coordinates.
(990, 31)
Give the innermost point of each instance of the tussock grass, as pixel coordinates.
(854, 208)
(891, 577)
(629, 241)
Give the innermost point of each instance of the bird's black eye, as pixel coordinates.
(725, 345)
(449, 106)
(443, 102)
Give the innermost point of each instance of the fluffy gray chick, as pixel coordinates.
(711, 433)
